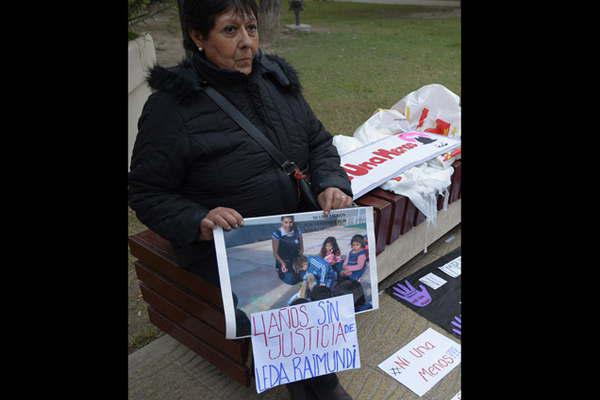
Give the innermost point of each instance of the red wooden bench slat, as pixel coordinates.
(240, 373)
(419, 217)
(195, 306)
(237, 350)
(157, 254)
(456, 181)
(409, 217)
(399, 204)
(460, 180)
(384, 209)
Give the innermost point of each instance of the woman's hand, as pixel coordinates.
(283, 267)
(226, 218)
(332, 198)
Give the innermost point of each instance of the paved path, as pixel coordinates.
(167, 370)
(429, 3)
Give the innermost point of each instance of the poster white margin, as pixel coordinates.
(226, 292)
(372, 260)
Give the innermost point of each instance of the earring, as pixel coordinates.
(199, 48)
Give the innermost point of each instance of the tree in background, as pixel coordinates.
(138, 10)
(134, 7)
(269, 12)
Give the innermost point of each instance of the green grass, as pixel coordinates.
(361, 57)
(132, 35)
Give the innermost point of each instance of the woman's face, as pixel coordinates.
(232, 43)
(356, 246)
(287, 224)
(328, 246)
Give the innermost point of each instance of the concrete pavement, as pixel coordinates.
(434, 3)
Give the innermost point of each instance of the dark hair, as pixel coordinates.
(294, 227)
(350, 286)
(299, 300)
(320, 292)
(298, 261)
(200, 15)
(358, 239)
(242, 323)
(334, 244)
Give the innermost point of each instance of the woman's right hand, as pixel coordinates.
(226, 218)
(283, 267)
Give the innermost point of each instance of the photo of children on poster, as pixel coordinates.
(282, 260)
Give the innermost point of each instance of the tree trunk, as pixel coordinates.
(268, 20)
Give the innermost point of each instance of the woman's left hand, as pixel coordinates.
(333, 198)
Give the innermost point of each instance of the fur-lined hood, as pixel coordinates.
(185, 83)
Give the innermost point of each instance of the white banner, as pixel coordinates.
(376, 163)
(423, 362)
(304, 341)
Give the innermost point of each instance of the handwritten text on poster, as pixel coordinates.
(303, 341)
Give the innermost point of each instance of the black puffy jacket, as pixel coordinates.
(190, 157)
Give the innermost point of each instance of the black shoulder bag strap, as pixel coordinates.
(289, 167)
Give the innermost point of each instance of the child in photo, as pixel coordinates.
(304, 293)
(355, 288)
(330, 252)
(287, 243)
(316, 266)
(355, 263)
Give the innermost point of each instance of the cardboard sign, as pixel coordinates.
(303, 341)
(374, 164)
(424, 361)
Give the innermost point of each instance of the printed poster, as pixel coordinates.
(276, 261)
(374, 164)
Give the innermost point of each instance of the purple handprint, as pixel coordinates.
(458, 324)
(419, 298)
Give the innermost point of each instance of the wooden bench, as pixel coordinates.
(186, 307)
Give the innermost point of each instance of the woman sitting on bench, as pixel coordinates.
(193, 168)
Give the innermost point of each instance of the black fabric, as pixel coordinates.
(189, 157)
(278, 158)
(445, 300)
